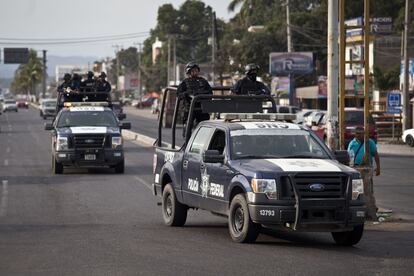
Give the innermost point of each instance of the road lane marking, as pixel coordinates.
(142, 181)
(4, 198)
(6, 162)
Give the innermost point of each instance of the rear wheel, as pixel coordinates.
(348, 238)
(410, 140)
(241, 228)
(57, 167)
(120, 167)
(174, 213)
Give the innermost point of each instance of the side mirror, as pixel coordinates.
(121, 116)
(213, 156)
(48, 126)
(125, 126)
(342, 156)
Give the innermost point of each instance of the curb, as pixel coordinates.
(139, 138)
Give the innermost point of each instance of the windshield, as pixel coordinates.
(49, 104)
(87, 118)
(275, 143)
(9, 102)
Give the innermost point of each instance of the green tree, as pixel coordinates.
(28, 76)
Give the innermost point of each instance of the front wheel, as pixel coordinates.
(349, 238)
(120, 167)
(174, 213)
(242, 229)
(410, 140)
(57, 167)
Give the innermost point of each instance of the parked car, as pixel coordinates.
(9, 105)
(354, 118)
(145, 102)
(22, 104)
(408, 137)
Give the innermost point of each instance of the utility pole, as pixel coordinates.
(405, 93)
(44, 74)
(139, 44)
(288, 35)
(175, 59)
(332, 113)
(169, 61)
(213, 45)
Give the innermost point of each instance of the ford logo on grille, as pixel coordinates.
(317, 187)
(89, 141)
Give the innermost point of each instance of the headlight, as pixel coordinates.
(61, 143)
(116, 142)
(266, 186)
(357, 188)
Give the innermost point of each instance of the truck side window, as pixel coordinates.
(201, 139)
(218, 142)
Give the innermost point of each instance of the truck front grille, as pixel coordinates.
(334, 186)
(89, 140)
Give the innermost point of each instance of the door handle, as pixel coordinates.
(185, 164)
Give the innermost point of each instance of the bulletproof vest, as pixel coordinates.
(250, 87)
(197, 86)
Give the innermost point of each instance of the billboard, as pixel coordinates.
(16, 55)
(377, 25)
(280, 87)
(297, 63)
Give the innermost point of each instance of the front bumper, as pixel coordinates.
(76, 158)
(313, 215)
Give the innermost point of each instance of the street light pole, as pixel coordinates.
(405, 93)
(288, 35)
(44, 75)
(332, 112)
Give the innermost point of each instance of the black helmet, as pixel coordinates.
(190, 66)
(102, 75)
(250, 67)
(90, 74)
(67, 76)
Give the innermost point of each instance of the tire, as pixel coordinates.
(241, 228)
(173, 212)
(410, 140)
(120, 167)
(57, 167)
(348, 238)
(16, 110)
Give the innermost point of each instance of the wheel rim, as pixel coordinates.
(168, 206)
(238, 220)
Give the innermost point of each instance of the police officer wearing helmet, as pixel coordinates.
(249, 85)
(88, 85)
(193, 85)
(67, 81)
(102, 85)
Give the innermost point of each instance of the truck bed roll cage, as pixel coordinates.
(212, 104)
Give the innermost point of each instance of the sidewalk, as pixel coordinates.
(142, 112)
(388, 148)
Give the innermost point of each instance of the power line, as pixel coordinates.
(75, 38)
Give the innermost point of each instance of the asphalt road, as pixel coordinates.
(100, 223)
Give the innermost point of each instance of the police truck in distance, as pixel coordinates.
(87, 136)
(260, 171)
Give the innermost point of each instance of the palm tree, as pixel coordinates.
(29, 75)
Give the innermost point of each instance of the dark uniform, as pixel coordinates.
(193, 86)
(103, 85)
(249, 85)
(88, 85)
(66, 83)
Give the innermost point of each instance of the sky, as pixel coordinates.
(61, 19)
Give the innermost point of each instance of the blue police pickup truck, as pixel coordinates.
(87, 136)
(260, 171)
